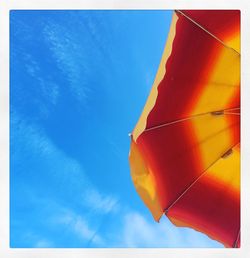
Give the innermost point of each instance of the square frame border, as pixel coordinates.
(5, 7)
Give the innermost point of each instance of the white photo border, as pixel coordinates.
(5, 7)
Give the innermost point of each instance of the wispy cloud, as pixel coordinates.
(43, 243)
(65, 195)
(78, 207)
(139, 231)
(31, 139)
(68, 53)
(100, 203)
(82, 55)
(78, 225)
(30, 238)
(45, 89)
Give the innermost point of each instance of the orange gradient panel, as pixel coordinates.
(174, 152)
(144, 180)
(224, 24)
(212, 204)
(188, 68)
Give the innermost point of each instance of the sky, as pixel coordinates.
(78, 83)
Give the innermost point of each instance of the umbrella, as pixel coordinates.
(185, 147)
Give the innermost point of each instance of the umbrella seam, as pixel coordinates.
(189, 118)
(212, 35)
(190, 186)
(237, 239)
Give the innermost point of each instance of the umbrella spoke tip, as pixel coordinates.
(227, 154)
(217, 113)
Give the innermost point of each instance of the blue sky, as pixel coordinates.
(79, 81)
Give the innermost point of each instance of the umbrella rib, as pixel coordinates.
(237, 239)
(190, 186)
(212, 35)
(232, 113)
(221, 112)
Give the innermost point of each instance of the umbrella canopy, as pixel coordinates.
(185, 153)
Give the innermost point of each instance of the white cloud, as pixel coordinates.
(81, 55)
(43, 243)
(68, 54)
(78, 225)
(30, 140)
(128, 229)
(35, 240)
(140, 232)
(83, 229)
(99, 202)
(47, 89)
